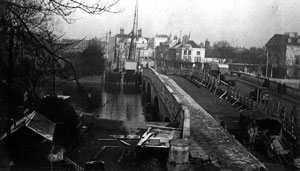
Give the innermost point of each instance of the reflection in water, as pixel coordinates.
(106, 102)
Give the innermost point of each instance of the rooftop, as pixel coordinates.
(35, 122)
(284, 39)
(162, 36)
(180, 45)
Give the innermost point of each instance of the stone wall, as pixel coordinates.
(178, 113)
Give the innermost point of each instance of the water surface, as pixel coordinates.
(106, 102)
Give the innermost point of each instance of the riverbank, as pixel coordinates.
(98, 144)
(92, 79)
(87, 79)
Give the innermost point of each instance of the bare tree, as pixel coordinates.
(29, 47)
(224, 49)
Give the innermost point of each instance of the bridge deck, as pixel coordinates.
(209, 139)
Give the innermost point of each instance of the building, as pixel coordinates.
(187, 52)
(283, 53)
(30, 139)
(119, 47)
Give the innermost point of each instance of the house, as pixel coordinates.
(187, 52)
(119, 48)
(283, 53)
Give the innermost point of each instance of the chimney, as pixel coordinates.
(185, 39)
(291, 34)
(109, 33)
(121, 30)
(207, 43)
(140, 32)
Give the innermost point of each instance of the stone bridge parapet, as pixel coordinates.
(160, 87)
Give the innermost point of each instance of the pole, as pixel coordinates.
(53, 77)
(118, 59)
(106, 46)
(267, 62)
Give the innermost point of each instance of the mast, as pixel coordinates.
(134, 31)
(118, 59)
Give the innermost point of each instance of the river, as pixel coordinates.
(105, 102)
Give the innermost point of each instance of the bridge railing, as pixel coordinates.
(177, 110)
(237, 98)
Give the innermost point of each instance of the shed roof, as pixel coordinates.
(35, 122)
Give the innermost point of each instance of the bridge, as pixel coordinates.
(210, 142)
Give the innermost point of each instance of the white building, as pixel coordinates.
(190, 52)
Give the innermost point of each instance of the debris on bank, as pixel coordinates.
(158, 137)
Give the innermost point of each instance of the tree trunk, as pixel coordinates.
(10, 80)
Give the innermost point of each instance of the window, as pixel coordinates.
(297, 59)
(190, 52)
(189, 58)
(197, 59)
(185, 52)
(289, 40)
(198, 52)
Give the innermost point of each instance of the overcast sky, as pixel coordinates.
(241, 22)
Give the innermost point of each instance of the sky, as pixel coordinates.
(244, 23)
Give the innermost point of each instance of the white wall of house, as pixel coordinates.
(192, 54)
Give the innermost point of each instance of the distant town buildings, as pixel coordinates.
(119, 47)
(283, 52)
(183, 50)
(161, 48)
